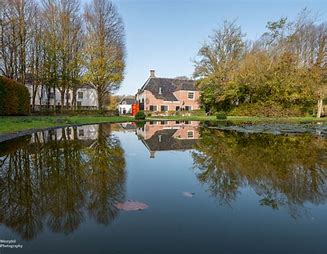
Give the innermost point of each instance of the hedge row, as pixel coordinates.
(14, 98)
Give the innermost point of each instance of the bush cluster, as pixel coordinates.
(14, 98)
(221, 115)
(140, 115)
(270, 109)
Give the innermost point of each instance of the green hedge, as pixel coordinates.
(140, 115)
(14, 98)
(221, 115)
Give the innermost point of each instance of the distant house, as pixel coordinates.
(125, 105)
(167, 94)
(86, 97)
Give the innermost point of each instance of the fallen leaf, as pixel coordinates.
(131, 206)
(188, 194)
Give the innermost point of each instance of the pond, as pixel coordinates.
(163, 187)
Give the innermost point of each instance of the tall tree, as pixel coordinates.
(218, 58)
(104, 49)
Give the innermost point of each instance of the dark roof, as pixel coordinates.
(168, 142)
(168, 86)
(128, 100)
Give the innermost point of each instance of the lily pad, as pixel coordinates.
(131, 206)
(188, 194)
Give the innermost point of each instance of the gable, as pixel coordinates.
(164, 88)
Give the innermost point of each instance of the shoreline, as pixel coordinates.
(43, 123)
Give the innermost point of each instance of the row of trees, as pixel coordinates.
(52, 44)
(286, 68)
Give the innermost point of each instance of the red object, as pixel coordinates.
(135, 108)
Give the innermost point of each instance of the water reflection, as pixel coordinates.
(55, 178)
(168, 135)
(284, 170)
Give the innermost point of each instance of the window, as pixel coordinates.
(81, 133)
(190, 134)
(51, 95)
(163, 122)
(190, 95)
(188, 108)
(68, 96)
(160, 90)
(164, 108)
(178, 108)
(159, 138)
(80, 95)
(79, 104)
(153, 108)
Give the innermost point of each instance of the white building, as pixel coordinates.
(86, 97)
(125, 105)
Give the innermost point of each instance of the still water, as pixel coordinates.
(207, 190)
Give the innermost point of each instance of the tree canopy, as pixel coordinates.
(284, 72)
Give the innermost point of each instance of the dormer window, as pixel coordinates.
(160, 90)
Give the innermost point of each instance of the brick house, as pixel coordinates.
(166, 94)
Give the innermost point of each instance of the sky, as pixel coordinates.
(165, 35)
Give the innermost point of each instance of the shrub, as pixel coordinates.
(221, 115)
(140, 124)
(140, 115)
(269, 109)
(14, 98)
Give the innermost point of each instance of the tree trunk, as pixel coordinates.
(100, 102)
(319, 108)
(74, 99)
(33, 100)
(62, 99)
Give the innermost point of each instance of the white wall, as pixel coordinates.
(90, 98)
(126, 107)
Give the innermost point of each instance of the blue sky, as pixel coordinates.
(165, 35)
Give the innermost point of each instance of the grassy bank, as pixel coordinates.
(15, 124)
(242, 119)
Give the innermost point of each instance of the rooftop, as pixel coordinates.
(164, 88)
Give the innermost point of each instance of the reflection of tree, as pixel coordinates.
(284, 170)
(106, 176)
(55, 177)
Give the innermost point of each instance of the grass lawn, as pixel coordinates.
(15, 124)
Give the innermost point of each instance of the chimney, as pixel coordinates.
(152, 73)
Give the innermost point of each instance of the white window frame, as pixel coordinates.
(190, 131)
(191, 92)
(164, 106)
(153, 106)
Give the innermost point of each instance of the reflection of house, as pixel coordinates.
(165, 94)
(86, 96)
(128, 126)
(168, 135)
(125, 105)
(85, 133)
